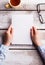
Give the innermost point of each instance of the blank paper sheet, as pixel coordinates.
(22, 23)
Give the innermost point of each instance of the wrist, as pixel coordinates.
(6, 43)
(38, 43)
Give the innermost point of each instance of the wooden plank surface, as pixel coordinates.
(17, 50)
(25, 5)
(23, 57)
(6, 15)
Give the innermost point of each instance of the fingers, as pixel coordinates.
(9, 29)
(33, 31)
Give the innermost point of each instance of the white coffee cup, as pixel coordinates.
(17, 4)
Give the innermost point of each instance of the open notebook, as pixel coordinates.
(22, 23)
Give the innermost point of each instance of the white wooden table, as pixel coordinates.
(21, 54)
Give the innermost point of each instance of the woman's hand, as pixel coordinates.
(35, 36)
(7, 36)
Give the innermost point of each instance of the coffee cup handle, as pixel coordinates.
(8, 5)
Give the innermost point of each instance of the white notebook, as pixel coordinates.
(22, 23)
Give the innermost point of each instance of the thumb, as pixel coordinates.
(9, 29)
(34, 30)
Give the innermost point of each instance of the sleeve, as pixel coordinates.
(3, 51)
(41, 50)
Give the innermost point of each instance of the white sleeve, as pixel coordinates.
(42, 52)
(3, 51)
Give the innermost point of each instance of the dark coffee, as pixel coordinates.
(15, 2)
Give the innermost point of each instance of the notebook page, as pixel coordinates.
(22, 23)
